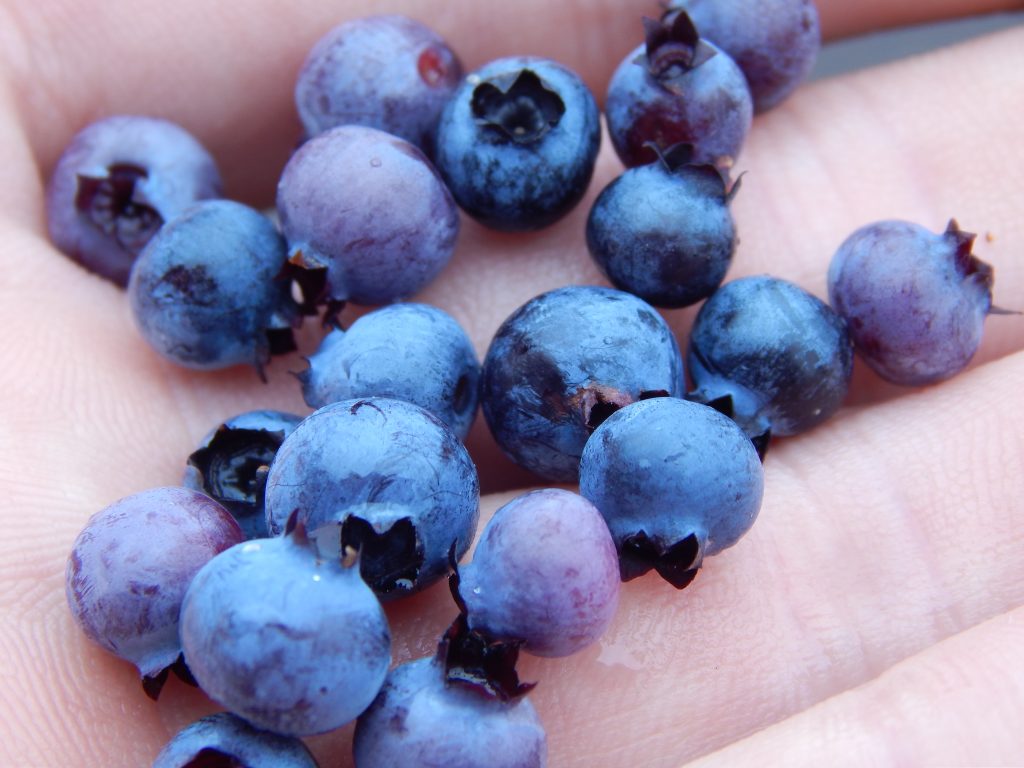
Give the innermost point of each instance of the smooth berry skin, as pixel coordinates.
(915, 301)
(387, 465)
(369, 209)
(412, 352)
(205, 292)
(131, 564)
(772, 355)
(664, 233)
(774, 42)
(225, 740)
(669, 469)
(117, 182)
(418, 719)
(292, 642)
(544, 572)
(386, 72)
(518, 141)
(565, 360)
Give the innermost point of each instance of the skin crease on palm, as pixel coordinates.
(874, 613)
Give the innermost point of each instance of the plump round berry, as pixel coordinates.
(366, 217)
(676, 481)
(387, 72)
(663, 231)
(395, 478)
(564, 361)
(774, 42)
(117, 182)
(205, 292)
(545, 572)
(232, 463)
(518, 141)
(678, 88)
(915, 301)
(225, 740)
(411, 352)
(129, 569)
(771, 355)
(289, 639)
(421, 719)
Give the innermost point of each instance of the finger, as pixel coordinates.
(841, 19)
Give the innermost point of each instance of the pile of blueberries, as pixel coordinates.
(288, 533)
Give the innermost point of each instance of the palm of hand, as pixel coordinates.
(874, 610)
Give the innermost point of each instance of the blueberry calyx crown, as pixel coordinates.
(233, 466)
(678, 160)
(310, 274)
(673, 48)
(676, 563)
(152, 685)
(596, 403)
(389, 559)
(518, 106)
(967, 264)
(115, 203)
(210, 757)
(757, 431)
(476, 662)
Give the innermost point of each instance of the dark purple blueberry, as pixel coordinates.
(232, 463)
(288, 638)
(395, 478)
(674, 89)
(205, 292)
(664, 231)
(676, 481)
(421, 719)
(915, 301)
(225, 740)
(366, 216)
(411, 352)
(545, 572)
(117, 182)
(129, 569)
(774, 42)
(386, 72)
(566, 360)
(518, 141)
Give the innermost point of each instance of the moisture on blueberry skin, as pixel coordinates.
(412, 352)
(518, 141)
(387, 72)
(770, 355)
(564, 361)
(774, 42)
(664, 231)
(129, 569)
(117, 182)
(206, 293)
(678, 88)
(225, 740)
(915, 301)
(366, 216)
(545, 572)
(396, 479)
(289, 639)
(676, 481)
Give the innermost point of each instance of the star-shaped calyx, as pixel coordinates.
(673, 48)
(520, 108)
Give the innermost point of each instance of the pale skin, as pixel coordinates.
(874, 612)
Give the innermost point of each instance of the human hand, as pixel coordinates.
(873, 613)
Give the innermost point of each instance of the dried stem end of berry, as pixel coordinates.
(521, 110)
(478, 663)
(115, 204)
(673, 48)
(676, 563)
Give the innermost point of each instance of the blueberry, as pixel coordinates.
(386, 72)
(545, 572)
(518, 141)
(205, 292)
(129, 569)
(771, 355)
(117, 182)
(232, 463)
(564, 361)
(290, 639)
(396, 478)
(678, 88)
(676, 481)
(411, 352)
(664, 231)
(915, 301)
(774, 42)
(366, 217)
(224, 740)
